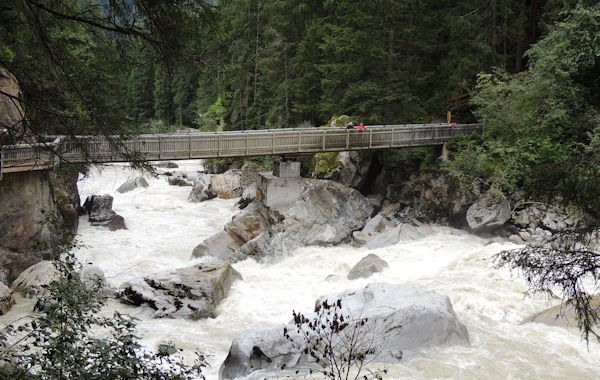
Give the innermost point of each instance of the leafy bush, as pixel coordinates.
(71, 340)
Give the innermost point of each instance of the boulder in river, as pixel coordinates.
(563, 315)
(227, 185)
(326, 215)
(367, 266)
(398, 320)
(99, 209)
(490, 212)
(133, 183)
(31, 279)
(192, 292)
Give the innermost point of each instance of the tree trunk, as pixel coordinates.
(520, 39)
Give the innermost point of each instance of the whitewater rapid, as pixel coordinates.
(163, 229)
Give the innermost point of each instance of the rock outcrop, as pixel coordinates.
(192, 292)
(488, 213)
(6, 299)
(327, 215)
(24, 198)
(398, 319)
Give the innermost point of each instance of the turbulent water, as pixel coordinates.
(163, 229)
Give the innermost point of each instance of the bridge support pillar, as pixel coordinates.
(286, 169)
(281, 187)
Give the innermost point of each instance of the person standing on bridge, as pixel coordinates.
(350, 125)
(361, 126)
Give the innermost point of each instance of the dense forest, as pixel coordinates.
(277, 64)
(251, 64)
(530, 67)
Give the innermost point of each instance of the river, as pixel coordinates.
(163, 229)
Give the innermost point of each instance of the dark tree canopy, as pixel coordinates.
(71, 57)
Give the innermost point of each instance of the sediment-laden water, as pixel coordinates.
(163, 229)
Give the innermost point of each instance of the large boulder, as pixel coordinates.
(30, 281)
(392, 236)
(563, 315)
(133, 183)
(490, 212)
(251, 222)
(192, 292)
(327, 215)
(367, 266)
(349, 169)
(99, 208)
(398, 320)
(227, 185)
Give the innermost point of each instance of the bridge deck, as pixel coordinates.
(179, 146)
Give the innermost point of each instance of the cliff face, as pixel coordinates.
(29, 198)
(23, 196)
(11, 110)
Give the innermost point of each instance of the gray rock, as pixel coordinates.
(377, 224)
(7, 300)
(251, 222)
(93, 277)
(488, 213)
(367, 266)
(392, 236)
(133, 183)
(400, 319)
(168, 165)
(351, 170)
(99, 208)
(327, 214)
(192, 292)
(179, 181)
(201, 190)
(562, 315)
(227, 185)
(249, 192)
(31, 279)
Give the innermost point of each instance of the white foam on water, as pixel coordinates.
(163, 228)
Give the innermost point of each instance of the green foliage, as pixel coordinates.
(406, 158)
(324, 163)
(542, 133)
(210, 121)
(83, 65)
(536, 118)
(71, 339)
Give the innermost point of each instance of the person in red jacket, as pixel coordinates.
(361, 126)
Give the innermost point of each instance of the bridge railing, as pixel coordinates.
(226, 144)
